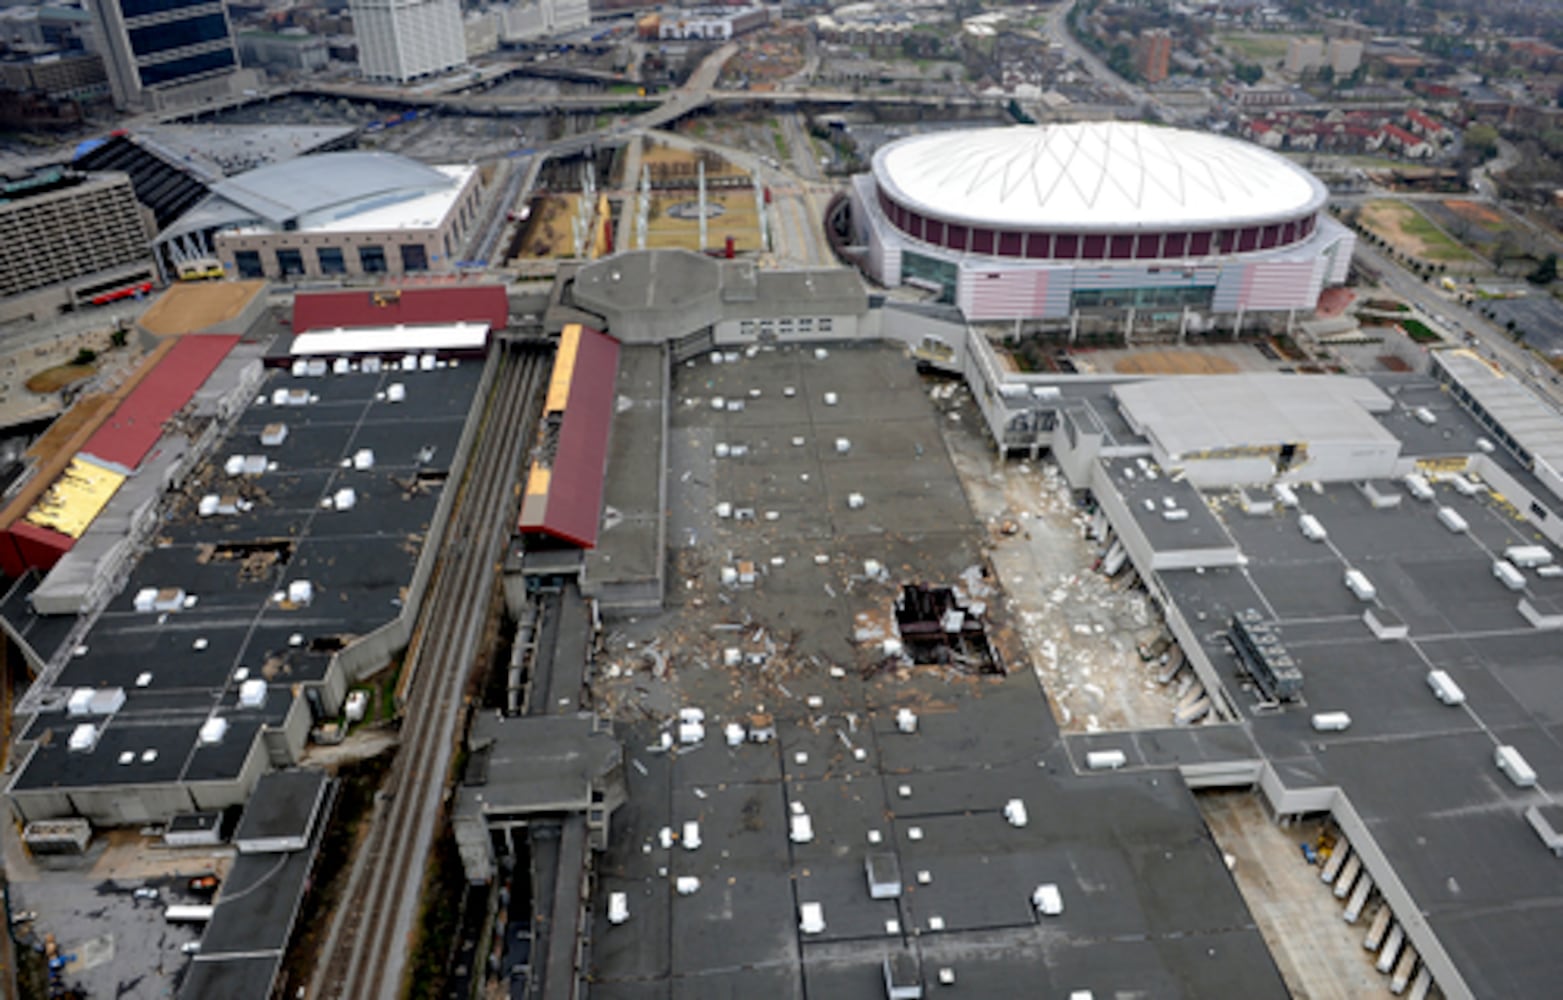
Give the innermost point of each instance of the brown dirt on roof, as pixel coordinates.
(193, 306)
(1185, 362)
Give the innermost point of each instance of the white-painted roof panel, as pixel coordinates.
(1095, 177)
(392, 339)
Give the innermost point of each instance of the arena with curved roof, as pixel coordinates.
(1056, 221)
(327, 215)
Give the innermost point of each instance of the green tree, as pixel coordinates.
(1482, 140)
(1546, 272)
(1249, 73)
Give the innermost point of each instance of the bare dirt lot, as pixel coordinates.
(1176, 362)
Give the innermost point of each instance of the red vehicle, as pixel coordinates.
(129, 291)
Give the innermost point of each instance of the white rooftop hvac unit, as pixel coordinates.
(811, 918)
(1514, 766)
(252, 694)
(395, 392)
(344, 499)
(341, 366)
(245, 465)
(363, 458)
(1358, 583)
(290, 397)
(1047, 900)
(301, 592)
(1451, 519)
(150, 599)
(86, 702)
(1528, 556)
(273, 435)
(83, 738)
(213, 730)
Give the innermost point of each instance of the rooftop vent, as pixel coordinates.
(83, 738)
(252, 694)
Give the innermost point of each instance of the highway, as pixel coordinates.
(375, 926)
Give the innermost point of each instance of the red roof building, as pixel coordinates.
(137, 423)
(405, 307)
(563, 498)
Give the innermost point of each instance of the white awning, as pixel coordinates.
(392, 339)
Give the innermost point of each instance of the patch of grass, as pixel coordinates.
(1403, 225)
(1419, 331)
(443, 889)
(781, 143)
(1255, 48)
(1386, 305)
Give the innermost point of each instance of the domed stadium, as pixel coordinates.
(1046, 221)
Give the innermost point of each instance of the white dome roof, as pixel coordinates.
(1095, 177)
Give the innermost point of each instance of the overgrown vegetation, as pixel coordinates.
(429, 968)
(1419, 331)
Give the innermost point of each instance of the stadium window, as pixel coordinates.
(290, 262)
(806, 325)
(1094, 247)
(371, 259)
(248, 264)
(982, 241)
(1122, 247)
(1175, 245)
(414, 257)
(1199, 244)
(1066, 246)
(1011, 244)
(826, 324)
(958, 237)
(331, 260)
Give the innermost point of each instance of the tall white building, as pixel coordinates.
(527, 19)
(402, 40)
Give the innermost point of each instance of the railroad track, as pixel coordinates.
(376, 920)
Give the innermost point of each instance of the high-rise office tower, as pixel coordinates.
(402, 40)
(157, 51)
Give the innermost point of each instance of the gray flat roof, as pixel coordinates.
(1529, 420)
(1146, 893)
(538, 763)
(1419, 773)
(1152, 500)
(629, 545)
(1190, 414)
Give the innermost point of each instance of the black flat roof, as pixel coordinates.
(358, 561)
(284, 805)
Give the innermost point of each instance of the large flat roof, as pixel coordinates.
(1194, 414)
(1419, 774)
(357, 560)
(1146, 894)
